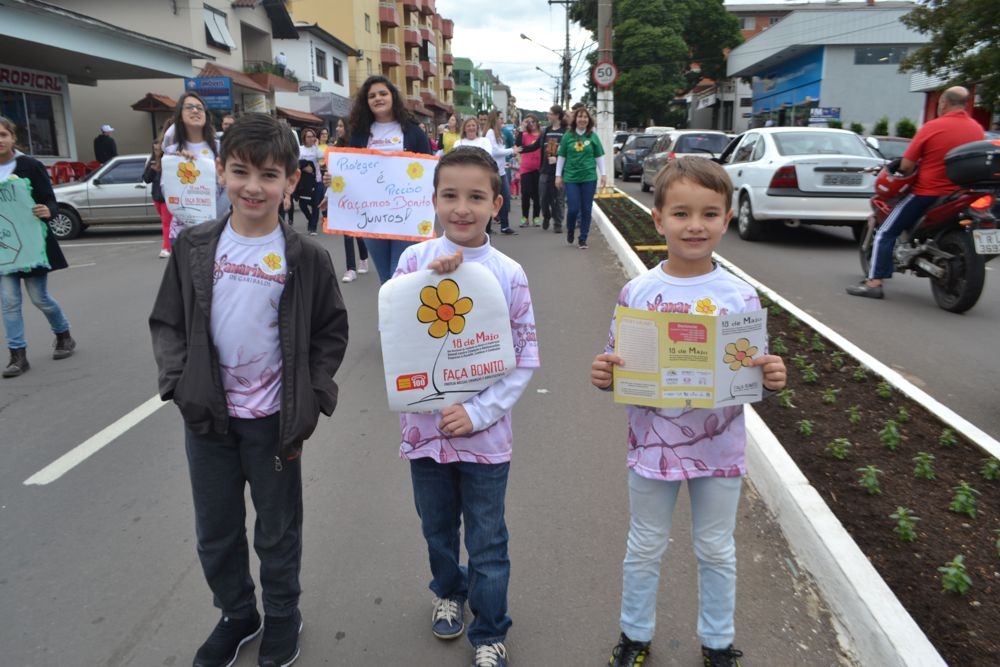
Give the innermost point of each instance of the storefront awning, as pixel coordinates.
(154, 103)
(239, 78)
(296, 116)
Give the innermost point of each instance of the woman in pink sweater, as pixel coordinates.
(531, 161)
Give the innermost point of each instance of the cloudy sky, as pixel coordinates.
(489, 33)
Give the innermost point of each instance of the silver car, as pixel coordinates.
(112, 194)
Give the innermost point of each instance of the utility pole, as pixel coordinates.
(566, 64)
(605, 94)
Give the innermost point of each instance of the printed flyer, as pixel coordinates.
(675, 360)
(189, 188)
(22, 235)
(380, 195)
(445, 337)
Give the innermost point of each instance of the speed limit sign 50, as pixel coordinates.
(604, 74)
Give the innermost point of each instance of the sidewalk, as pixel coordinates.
(365, 574)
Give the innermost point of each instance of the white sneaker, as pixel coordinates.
(363, 266)
(164, 254)
(349, 277)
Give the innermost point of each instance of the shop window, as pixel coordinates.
(35, 117)
(321, 63)
(879, 55)
(216, 30)
(338, 71)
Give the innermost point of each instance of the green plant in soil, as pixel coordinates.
(830, 395)
(854, 415)
(903, 416)
(869, 480)
(954, 577)
(906, 524)
(785, 397)
(818, 345)
(800, 362)
(925, 465)
(890, 436)
(805, 427)
(947, 438)
(837, 359)
(778, 347)
(964, 500)
(859, 374)
(991, 469)
(839, 448)
(884, 389)
(810, 375)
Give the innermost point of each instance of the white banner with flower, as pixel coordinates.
(190, 188)
(675, 360)
(381, 195)
(445, 337)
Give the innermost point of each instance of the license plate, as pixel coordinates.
(842, 179)
(987, 241)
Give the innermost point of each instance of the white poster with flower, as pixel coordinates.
(675, 360)
(190, 188)
(445, 337)
(380, 195)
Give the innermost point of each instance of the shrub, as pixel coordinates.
(881, 126)
(906, 128)
(857, 128)
(834, 122)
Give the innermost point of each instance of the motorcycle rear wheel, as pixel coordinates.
(962, 285)
(865, 248)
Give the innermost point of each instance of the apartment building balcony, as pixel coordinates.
(427, 33)
(390, 55)
(429, 69)
(447, 28)
(411, 5)
(414, 72)
(448, 83)
(388, 15)
(429, 7)
(411, 36)
(447, 58)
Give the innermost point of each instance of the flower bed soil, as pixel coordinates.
(964, 628)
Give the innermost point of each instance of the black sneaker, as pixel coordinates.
(507, 231)
(721, 657)
(629, 653)
(223, 645)
(545, 224)
(864, 289)
(570, 234)
(280, 645)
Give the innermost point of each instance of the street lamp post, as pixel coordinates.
(565, 58)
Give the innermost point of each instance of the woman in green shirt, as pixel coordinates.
(580, 161)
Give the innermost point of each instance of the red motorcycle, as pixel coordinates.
(957, 235)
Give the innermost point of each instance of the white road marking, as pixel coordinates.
(66, 244)
(80, 266)
(93, 444)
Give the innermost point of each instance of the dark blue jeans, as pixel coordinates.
(503, 217)
(579, 203)
(445, 494)
(385, 254)
(221, 466)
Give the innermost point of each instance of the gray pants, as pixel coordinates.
(553, 204)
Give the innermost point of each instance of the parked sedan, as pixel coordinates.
(113, 194)
(628, 161)
(799, 175)
(676, 143)
(889, 147)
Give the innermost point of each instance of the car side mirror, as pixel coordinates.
(96, 181)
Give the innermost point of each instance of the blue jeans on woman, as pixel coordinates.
(714, 501)
(310, 207)
(38, 292)
(446, 494)
(579, 202)
(385, 254)
(504, 216)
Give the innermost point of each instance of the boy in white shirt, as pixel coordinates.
(460, 457)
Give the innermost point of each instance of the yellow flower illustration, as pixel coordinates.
(187, 172)
(441, 307)
(273, 261)
(705, 306)
(337, 184)
(415, 170)
(739, 354)
(425, 227)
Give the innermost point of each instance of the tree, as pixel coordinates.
(656, 45)
(964, 46)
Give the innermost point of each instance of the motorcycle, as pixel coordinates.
(959, 233)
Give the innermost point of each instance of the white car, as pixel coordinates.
(799, 175)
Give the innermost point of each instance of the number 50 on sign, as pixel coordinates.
(604, 74)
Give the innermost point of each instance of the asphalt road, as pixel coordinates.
(949, 356)
(98, 567)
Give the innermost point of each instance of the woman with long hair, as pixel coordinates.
(471, 136)
(309, 190)
(356, 264)
(15, 163)
(380, 121)
(152, 176)
(577, 169)
(500, 152)
(450, 134)
(530, 141)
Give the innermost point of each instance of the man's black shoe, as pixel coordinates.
(721, 657)
(629, 653)
(507, 231)
(280, 645)
(229, 635)
(863, 289)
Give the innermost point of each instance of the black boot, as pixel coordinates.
(64, 345)
(18, 364)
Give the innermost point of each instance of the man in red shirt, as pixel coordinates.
(953, 127)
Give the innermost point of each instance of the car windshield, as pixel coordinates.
(621, 137)
(812, 143)
(892, 148)
(641, 142)
(701, 143)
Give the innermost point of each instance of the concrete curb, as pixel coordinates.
(878, 629)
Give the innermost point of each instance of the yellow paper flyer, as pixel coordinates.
(675, 360)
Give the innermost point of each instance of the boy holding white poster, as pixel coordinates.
(460, 456)
(704, 446)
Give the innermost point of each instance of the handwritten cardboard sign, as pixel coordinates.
(22, 235)
(380, 195)
(445, 337)
(190, 188)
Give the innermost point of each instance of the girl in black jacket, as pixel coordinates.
(15, 163)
